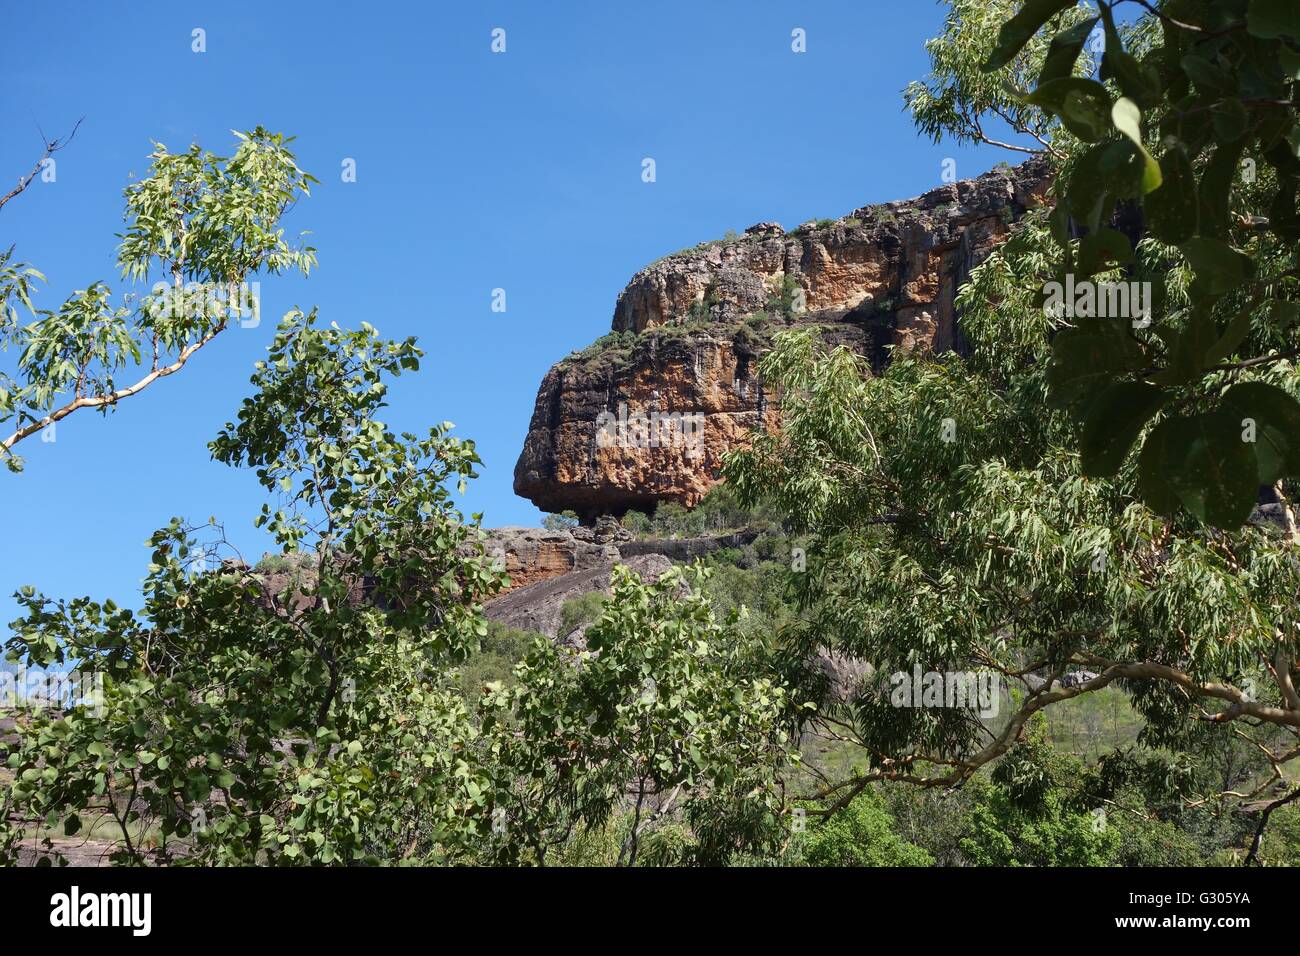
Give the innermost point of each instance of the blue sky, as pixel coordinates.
(475, 171)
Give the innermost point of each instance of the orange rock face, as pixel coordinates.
(650, 417)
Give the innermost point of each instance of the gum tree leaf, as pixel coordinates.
(1276, 418)
(1172, 209)
(1128, 120)
(1018, 31)
(1270, 19)
(1112, 423)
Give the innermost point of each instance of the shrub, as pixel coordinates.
(862, 834)
(580, 610)
(560, 522)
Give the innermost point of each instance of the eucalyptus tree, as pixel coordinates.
(985, 513)
(199, 226)
(1190, 127)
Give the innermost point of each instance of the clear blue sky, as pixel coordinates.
(475, 171)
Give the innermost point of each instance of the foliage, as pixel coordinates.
(664, 712)
(1003, 833)
(718, 511)
(202, 224)
(580, 610)
(312, 726)
(560, 522)
(862, 834)
(347, 712)
(787, 298)
(988, 549)
(495, 660)
(1191, 127)
(959, 101)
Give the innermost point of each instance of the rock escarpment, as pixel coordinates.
(548, 568)
(646, 414)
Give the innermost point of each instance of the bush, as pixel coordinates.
(862, 834)
(580, 610)
(560, 522)
(636, 522)
(499, 651)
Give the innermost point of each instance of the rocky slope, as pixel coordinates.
(646, 414)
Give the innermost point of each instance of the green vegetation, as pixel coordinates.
(949, 514)
(580, 610)
(863, 835)
(560, 522)
(718, 512)
(208, 224)
(1191, 125)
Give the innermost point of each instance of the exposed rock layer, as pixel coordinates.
(689, 329)
(531, 555)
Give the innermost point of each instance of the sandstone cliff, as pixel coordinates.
(646, 414)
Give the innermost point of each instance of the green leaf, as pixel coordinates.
(1203, 462)
(1187, 346)
(1128, 120)
(1230, 119)
(1172, 209)
(1083, 106)
(1208, 77)
(1112, 423)
(1102, 250)
(1282, 315)
(1276, 418)
(1216, 189)
(1084, 361)
(1138, 82)
(1290, 62)
(1217, 265)
(1020, 29)
(1064, 51)
(1235, 334)
(1270, 19)
(1087, 190)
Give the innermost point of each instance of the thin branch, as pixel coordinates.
(112, 398)
(52, 146)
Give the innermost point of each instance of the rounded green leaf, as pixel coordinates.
(1273, 18)
(1112, 422)
(1172, 210)
(1202, 461)
(1269, 419)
